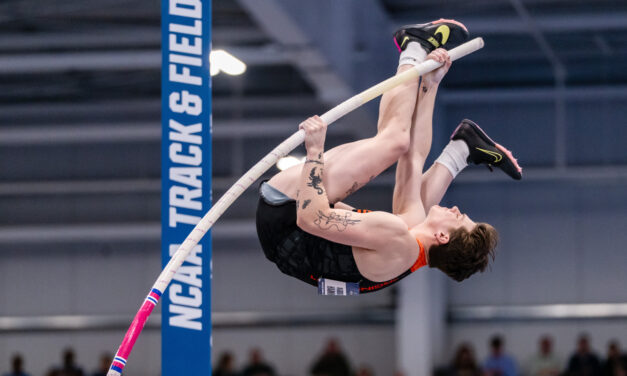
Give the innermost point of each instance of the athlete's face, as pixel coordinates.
(449, 219)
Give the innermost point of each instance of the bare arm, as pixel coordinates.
(370, 230)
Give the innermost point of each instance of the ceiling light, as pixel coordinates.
(289, 161)
(221, 60)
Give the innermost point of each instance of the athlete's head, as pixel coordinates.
(462, 247)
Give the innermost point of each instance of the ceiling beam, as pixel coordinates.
(80, 187)
(559, 73)
(558, 23)
(123, 60)
(96, 186)
(122, 36)
(153, 186)
(146, 131)
(79, 61)
(594, 311)
(24, 112)
(591, 93)
(533, 56)
(537, 33)
(79, 134)
(250, 319)
(150, 108)
(276, 21)
(101, 232)
(219, 320)
(533, 175)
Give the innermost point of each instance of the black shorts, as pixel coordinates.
(298, 253)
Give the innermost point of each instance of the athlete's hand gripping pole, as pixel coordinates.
(250, 177)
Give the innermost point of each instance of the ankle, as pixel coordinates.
(413, 55)
(454, 156)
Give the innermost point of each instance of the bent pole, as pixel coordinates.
(119, 361)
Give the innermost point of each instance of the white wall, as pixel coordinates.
(521, 338)
(245, 281)
(76, 281)
(292, 351)
(560, 243)
(42, 351)
(86, 281)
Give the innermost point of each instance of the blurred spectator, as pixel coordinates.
(545, 362)
(257, 366)
(364, 371)
(226, 365)
(103, 366)
(69, 368)
(464, 362)
(332, 362)
(498, 363)
(583, 362)
(17, 366)
(616, 363)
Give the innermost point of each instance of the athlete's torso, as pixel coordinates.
(308, 257)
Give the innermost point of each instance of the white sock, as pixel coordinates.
(414, 54)
(454, 156)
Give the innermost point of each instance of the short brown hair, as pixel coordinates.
(466, 252)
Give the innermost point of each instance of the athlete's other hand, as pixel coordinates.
(434, 77)
(315, 133)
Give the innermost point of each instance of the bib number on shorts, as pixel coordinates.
(338, 288)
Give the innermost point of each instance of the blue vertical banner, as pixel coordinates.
(186, 183)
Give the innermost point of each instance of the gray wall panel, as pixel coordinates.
(526, 129)
(245, 280)
(293, 351)
(564, 248)
(597, 132)
(560, 243)
(521, 339)
(43, 351)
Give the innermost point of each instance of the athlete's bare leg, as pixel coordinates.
(456, 156)
(468, 144)
(408, 199)
(436, 181)
(350, 166)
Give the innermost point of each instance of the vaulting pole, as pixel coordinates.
(249, 178)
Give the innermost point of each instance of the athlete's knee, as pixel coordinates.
(396, 142)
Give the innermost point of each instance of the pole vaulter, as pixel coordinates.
(248, 179)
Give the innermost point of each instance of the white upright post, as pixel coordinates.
(421, 323)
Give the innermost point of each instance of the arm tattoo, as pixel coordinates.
(333, 220)
(315, 181)
(315, 161)
(306, 203)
